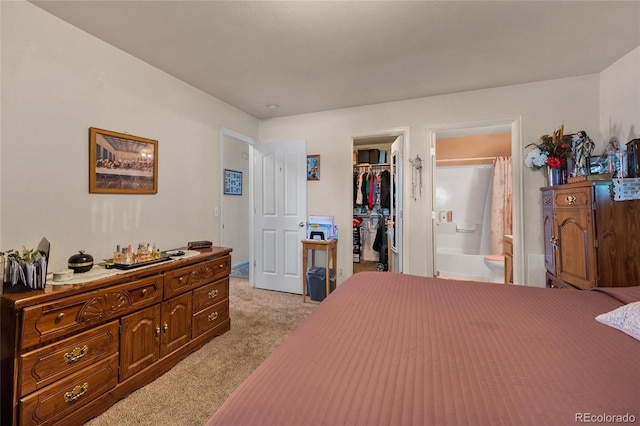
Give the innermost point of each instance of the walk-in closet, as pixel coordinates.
(372, 198)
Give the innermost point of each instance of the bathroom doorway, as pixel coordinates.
(463, 185)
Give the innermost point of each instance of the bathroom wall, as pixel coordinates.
(462, 204)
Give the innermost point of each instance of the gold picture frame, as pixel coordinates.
(122, 164)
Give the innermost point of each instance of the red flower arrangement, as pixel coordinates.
(552, 151)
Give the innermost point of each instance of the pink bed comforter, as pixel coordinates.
(392, 349)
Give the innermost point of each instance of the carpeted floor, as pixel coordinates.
(190, 392)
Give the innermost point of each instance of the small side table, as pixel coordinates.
(331, 249)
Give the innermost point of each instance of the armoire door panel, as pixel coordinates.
(576, 259)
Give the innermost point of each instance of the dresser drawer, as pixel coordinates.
(572, 198)
(187, 278)
(210, 294)
(54, 402)
(210, 318)
(222, 267)
(50, 363)
(44, 322)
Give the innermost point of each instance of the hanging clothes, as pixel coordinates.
(365, 187)
(355, 186)
(385, 186)
(358, 200)
(371, 190)
(380, 245)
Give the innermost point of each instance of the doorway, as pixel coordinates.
(264, 227)
(377, 202)
(235, 208)
(463, 182)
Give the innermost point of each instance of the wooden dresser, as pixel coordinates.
(590, 239)
(69, 352)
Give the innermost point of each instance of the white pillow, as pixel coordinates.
(626, 318)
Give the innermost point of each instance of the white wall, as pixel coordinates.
(604, 105)
(58, 81)
(543, 106)
(620, 98)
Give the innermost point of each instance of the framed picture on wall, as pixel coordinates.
(313, 167)
(120, 163)
(232, 182)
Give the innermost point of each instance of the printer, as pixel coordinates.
(321, 228)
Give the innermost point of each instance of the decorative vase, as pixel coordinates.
(557, 176)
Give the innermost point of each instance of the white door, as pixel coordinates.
(280, 210)
(395, 217)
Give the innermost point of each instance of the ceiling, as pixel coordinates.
(308, 56)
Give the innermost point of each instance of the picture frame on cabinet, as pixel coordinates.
(313, 167)
(598, 165)
(120, 163)
(232, 182)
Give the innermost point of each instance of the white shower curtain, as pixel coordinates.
(501, 218)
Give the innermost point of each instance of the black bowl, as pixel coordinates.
(81, 262)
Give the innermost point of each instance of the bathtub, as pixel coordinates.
(462, 264)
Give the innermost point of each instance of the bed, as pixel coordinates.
(394, 349)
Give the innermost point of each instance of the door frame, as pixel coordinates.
(515, 124)
(225, 132)
(396, 131)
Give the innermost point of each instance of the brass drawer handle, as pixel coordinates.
(180, 279)
(144, 292)
(213, 316)
(221, 266)
(570, 199)
(76, 354)
(165, 327)
(76, 393)
(213, 293)
(157, 331)
(60, 316)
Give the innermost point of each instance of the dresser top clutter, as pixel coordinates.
(71, 350)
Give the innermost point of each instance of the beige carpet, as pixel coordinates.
(199, 384)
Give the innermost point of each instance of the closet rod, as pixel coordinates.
(372, 166)
(466, 159)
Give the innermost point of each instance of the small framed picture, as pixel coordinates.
(313, 167)
(598, 165)
(232, 182)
